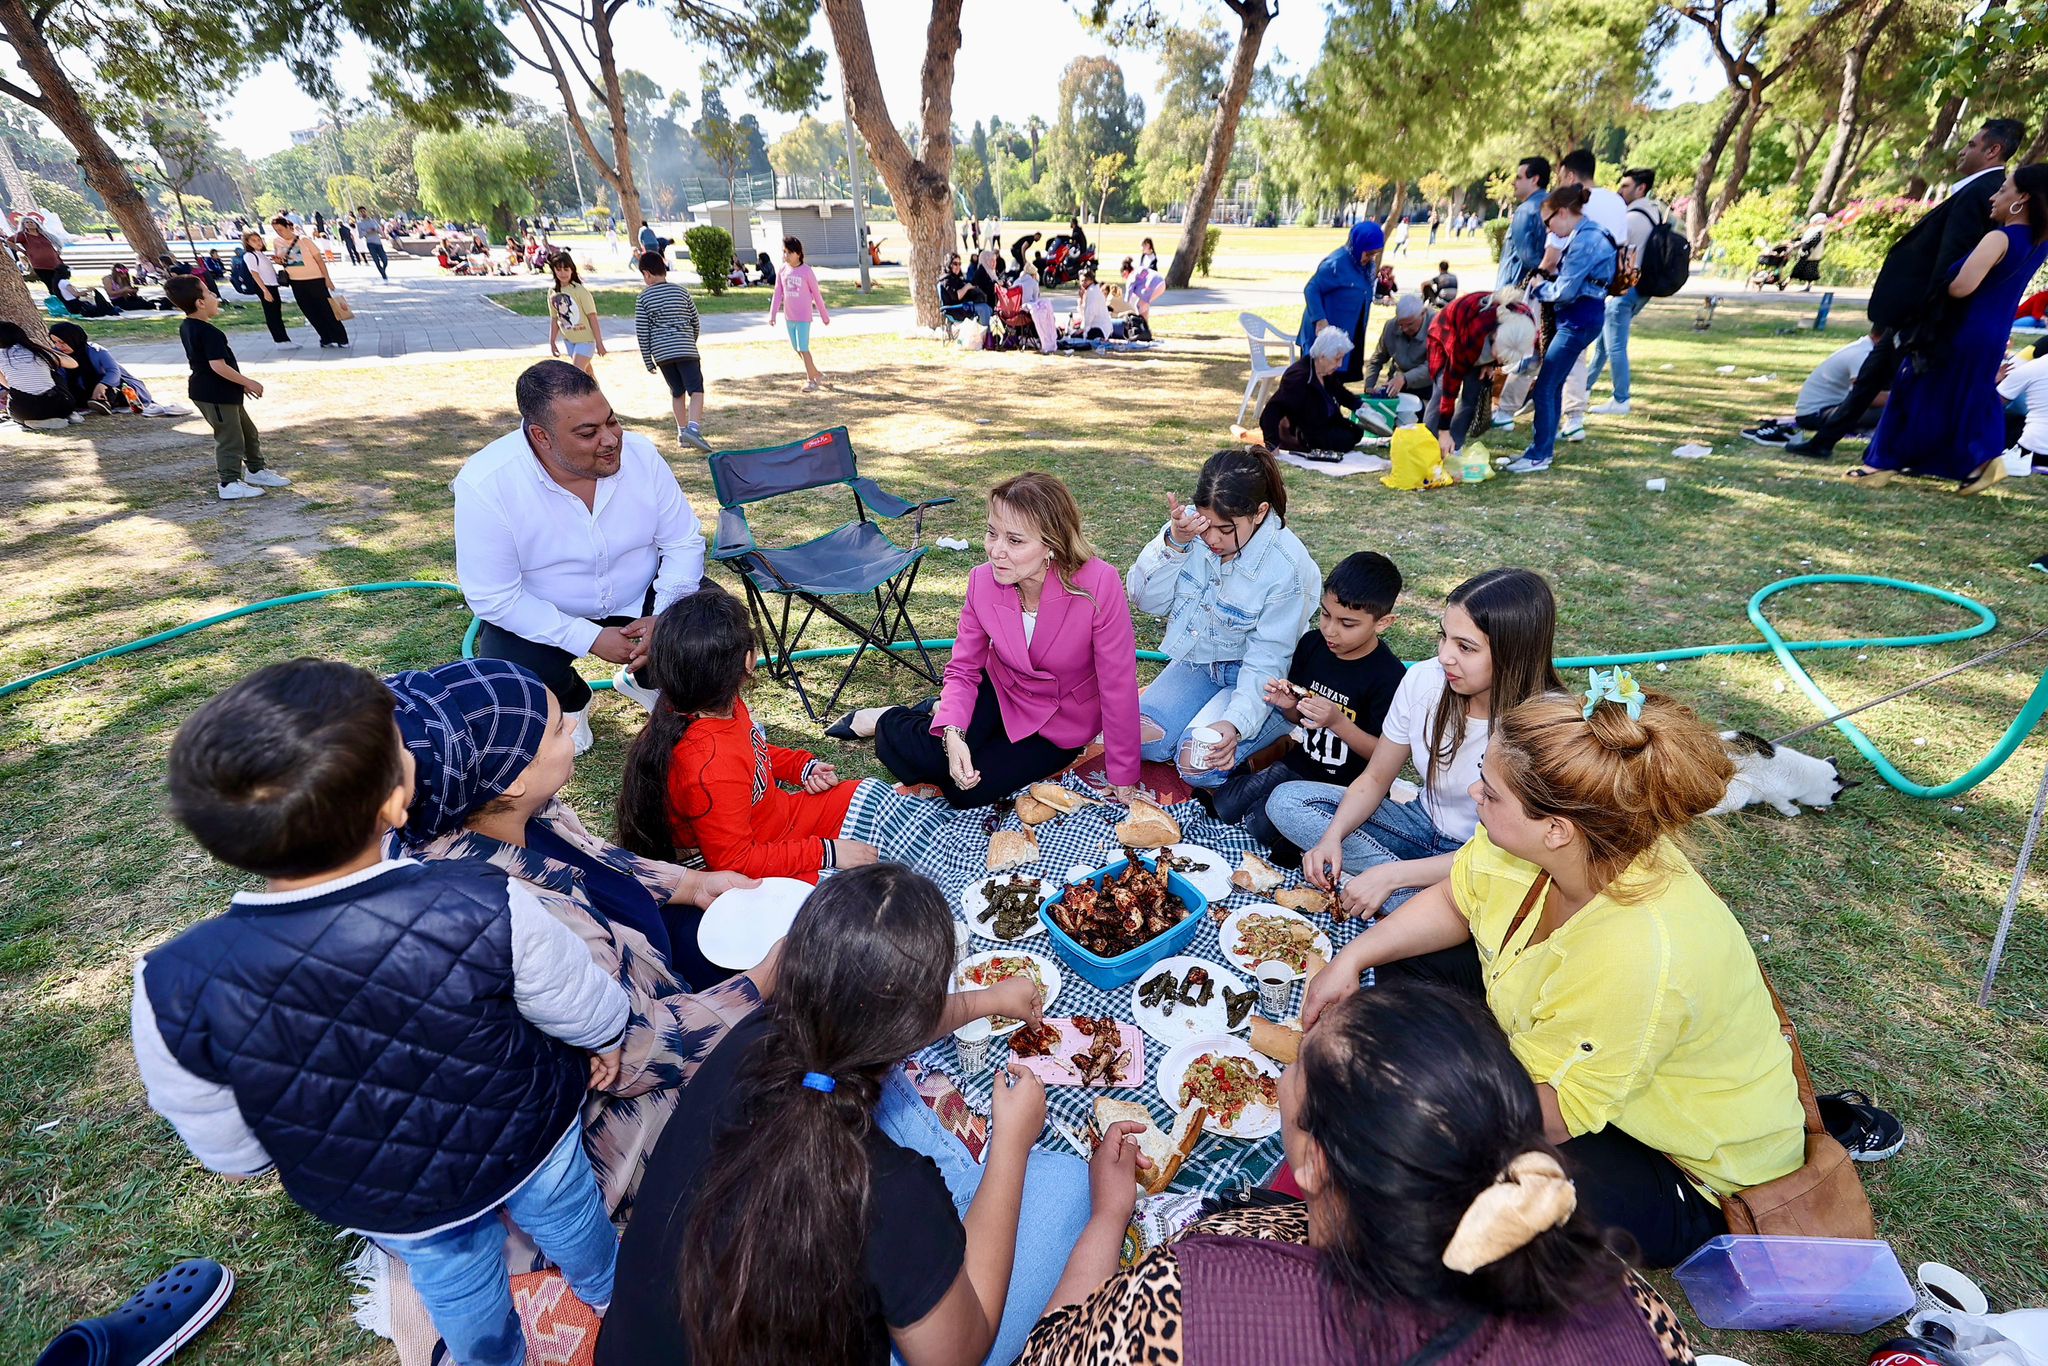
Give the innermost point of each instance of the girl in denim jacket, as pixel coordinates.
(1237, 588)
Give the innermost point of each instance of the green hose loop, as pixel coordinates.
(1774, 643)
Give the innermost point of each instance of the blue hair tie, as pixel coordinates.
(818, 1081)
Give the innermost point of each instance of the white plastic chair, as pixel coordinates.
(1259, 334)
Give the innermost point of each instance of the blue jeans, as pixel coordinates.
(1242, 800)
(1188, 695)
(1050, 1218)
(1396, 832)
(1547, 394)
(1613, 343)
(460, 1272)
(379, 259)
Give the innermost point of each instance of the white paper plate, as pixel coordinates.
(1048, 974)
(1212, 882)
(741, 926)
(1257, 1121)
(973, 903)
(1188, 1022)
(1226, 936)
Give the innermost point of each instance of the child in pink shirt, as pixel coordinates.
(796, 295)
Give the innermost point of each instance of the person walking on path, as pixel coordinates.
(373, 241)
(1945, 419)
(665, 325)
(572, 315)
(797, 297)
(220, 391)
(346, 227)
(264, 272)
(305, 270)
(1916, 271)
(1644, 214)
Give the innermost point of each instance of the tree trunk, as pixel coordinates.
(1845, 109)
(618, 172)
(1710, 162)
(57, 99)
(1400, 203)
(2037, 150)
(1252, 17)
(921, 187)
(18, 307)
(1945, 120)
(186, 219)
(1738, 164)
(1805, 148)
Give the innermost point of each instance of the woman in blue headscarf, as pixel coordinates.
(1339, 294)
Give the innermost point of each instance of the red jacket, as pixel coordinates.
(1456, 340)
(724, 801)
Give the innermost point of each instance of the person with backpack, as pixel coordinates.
(255, 273)
(1645, 214)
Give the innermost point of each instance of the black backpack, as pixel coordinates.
(1666, 262)
(239, 276)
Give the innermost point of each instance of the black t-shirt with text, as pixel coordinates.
(1363, 687)
(915, 1247)
(204, 344)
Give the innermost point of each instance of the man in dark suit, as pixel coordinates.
(1909, 289)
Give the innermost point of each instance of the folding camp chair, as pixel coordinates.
(856, 559)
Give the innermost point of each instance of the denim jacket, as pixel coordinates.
(1580, 289)
(1521, 251)
(1249, 610)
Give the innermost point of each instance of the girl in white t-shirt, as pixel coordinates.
(1493, 651)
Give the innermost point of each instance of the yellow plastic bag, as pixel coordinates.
(1418, 461)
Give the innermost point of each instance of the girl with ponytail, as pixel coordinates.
(1237, 589)
(1625, 986)
(805, 1206)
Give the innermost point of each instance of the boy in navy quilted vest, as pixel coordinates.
(406, 1044)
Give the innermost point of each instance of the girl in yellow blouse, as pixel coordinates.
(1625, 986)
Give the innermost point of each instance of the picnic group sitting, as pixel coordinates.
(1477, 1146)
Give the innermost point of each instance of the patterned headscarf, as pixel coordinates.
(472, 726)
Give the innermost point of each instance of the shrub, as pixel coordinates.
(1752, 223)
(711, 253)
(1862, 232)
(1496, 230)
(1308, 217)
(1210, 238)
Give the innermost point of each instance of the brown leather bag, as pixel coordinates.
(1822, 1199)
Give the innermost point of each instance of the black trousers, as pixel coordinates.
(273, 318)
(907, 748)
(51, 403)
(50, 279)
(1622, 1183)
(1873, 379)
(314, 301)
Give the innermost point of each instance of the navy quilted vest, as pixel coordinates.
(371, 1040)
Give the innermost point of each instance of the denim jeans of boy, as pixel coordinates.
(1050, 1218)
(1188, 695)
(460, 1272)
(1242, 800)
(1613, 343)
(1546, 396)
(1397, 832)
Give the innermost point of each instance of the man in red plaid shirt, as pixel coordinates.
(1475, 338)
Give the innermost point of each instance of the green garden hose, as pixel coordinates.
(1787, 653)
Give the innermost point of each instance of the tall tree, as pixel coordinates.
(179, 148)
(766, 40)
(1175, 142)
(812, 153)
(1097, 117)
(921, 186)
(1847, 111)
(476, 174)
(722, 141)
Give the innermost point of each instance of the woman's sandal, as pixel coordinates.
(1987, 474)
(842, 729)
(1867, 476)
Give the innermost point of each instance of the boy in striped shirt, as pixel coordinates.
(665, 323)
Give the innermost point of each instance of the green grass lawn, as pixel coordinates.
(1874, 918)
(619, 303)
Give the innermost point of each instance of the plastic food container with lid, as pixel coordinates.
(1819, 1285)
(1126, 967)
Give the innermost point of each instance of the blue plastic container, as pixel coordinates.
(1125, 968)
(1819, 1285)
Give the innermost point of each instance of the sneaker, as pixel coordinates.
(2040, 563)
(238, 489)
(166, 410)
(691, 436)
(266, 479)
(100, 407)
(625, 685)
(810, 386)
(1809, 448)
(1613, 408)
(1870, 1134)
(75, 419)
(1503, 420)
(1529, 465)
(584, 739)
(1577, 433)
(1770, 434)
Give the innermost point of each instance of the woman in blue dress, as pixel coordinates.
(1947, 421)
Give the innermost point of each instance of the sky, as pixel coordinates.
(1000, 71)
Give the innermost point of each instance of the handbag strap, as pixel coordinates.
(1529, 902)
(1800, 1075)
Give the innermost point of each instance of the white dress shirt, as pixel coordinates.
(1998, 171)
(534, 561)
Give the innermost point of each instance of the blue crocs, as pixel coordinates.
(155, 1322)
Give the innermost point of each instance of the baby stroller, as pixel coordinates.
(1063, 264)
(1770, 266)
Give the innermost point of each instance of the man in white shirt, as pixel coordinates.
(571, 536)
(2024, 387)
(1610, 213)
(1828, 385)
(1643, 215)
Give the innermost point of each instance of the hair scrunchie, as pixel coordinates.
(1530, 1198)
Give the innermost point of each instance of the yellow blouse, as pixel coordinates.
(1650, 1015)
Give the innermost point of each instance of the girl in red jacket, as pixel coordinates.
(701, 775)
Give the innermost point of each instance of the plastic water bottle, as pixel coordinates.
(1472, 465)
(134, 399)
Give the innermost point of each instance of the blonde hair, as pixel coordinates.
(1052, 509)
(1624, 784)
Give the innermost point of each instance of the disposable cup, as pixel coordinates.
(1194, 750)
(973, 1042)
(1276, 988)
(1944, 1290)
(1655, 485)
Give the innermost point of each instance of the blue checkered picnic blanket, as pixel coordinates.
(951, 848)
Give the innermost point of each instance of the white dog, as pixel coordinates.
(1777, 775)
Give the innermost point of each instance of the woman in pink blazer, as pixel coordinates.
(1045, 660)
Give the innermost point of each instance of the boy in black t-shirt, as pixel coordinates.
(220, 392)
(1337, 691)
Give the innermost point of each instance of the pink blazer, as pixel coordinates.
(1077, 679)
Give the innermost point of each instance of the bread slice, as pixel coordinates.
(1011, 849)
(1061, 799)
(1277, 1042)
(1149, 827)
(1307, 900)
(1032, 811)
(1166, 1151)
(1257, 876)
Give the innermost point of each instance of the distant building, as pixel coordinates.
(825, 226)
(302, 136)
